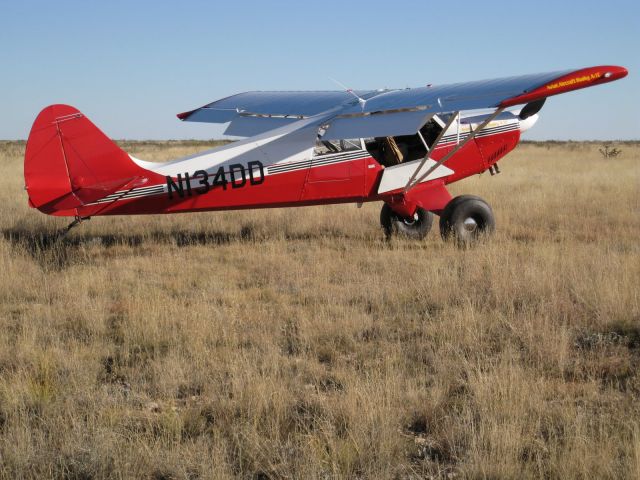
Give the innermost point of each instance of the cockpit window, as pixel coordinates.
(326, 147)
(353, 144)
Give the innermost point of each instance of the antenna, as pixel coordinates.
(361, 100)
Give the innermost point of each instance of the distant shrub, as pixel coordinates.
(608, 152)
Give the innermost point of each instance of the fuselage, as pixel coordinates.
(283, 168)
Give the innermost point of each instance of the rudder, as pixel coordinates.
(69, 162)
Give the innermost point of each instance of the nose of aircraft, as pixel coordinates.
(528, 122)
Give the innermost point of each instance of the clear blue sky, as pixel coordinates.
(131, 66)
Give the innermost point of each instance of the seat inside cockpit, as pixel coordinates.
(389, 151)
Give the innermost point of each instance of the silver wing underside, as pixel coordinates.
(368, 113)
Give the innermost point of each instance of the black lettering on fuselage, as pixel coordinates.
(233, 169)
(188, 182)
(237, 177)
(173, 186)
(220, 180)
(252, 178)
(204, 181)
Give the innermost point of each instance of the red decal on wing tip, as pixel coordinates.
(184, 115)
(619, 72)
(582, 78)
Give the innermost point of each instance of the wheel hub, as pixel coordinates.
(470, 225)
(411, 220)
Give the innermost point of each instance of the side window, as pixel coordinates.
(351, 144)
(326, 147)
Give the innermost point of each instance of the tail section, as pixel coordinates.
(69, 163)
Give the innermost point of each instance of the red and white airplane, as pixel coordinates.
(401, 147)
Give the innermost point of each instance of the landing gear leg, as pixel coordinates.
(77, 221)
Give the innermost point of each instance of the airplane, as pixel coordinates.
(399, 146)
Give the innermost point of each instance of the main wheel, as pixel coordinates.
(416, 227)
(466, 219)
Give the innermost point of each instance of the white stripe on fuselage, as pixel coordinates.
(211, 159)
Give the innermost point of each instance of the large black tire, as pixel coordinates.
(467, 219)
(415, 228)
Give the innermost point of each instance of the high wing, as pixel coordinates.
(390, 112)
(497, 93)
(252, 113)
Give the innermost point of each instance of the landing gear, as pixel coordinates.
(77, 221)
(415, 227)
(466, 219)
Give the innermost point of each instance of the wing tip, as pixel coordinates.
(184, 115)
(622, 71)
(575, 80)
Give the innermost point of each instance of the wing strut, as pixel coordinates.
(471, 135)
(408, 186)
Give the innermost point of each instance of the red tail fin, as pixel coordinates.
(69, 162)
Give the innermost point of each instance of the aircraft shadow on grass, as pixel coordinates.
(40, 241)
(57, 248)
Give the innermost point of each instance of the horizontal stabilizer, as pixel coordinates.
(82, 196)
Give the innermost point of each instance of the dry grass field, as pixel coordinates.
(298, 343)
